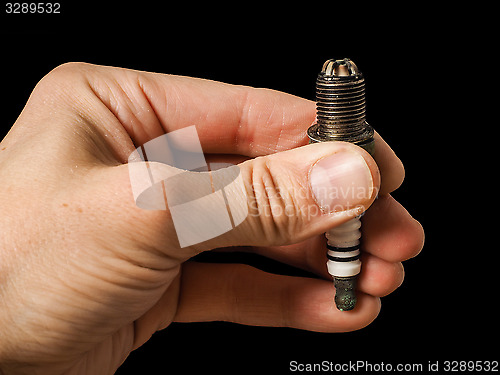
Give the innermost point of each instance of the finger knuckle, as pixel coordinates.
(273, 204)
(62, 78)
(394, 280)
(390, 281)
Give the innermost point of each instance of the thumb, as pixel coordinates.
(271, 200)
(296, 194)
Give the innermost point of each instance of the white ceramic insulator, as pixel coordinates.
(343, 236)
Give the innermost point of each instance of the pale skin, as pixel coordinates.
(86, 276)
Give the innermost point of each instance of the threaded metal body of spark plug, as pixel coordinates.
(341, 108)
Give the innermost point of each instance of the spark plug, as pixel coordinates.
(340, 113)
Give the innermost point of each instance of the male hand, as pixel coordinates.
(86, 276)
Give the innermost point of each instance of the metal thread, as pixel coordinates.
(340, 105)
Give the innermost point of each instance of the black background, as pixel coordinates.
(445, 309)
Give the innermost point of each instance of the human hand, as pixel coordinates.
(86, 276)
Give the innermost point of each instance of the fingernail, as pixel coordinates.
(341, 181)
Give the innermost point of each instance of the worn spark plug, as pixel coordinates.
(340, 106)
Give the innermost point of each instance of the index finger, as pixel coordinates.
(230, 119)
